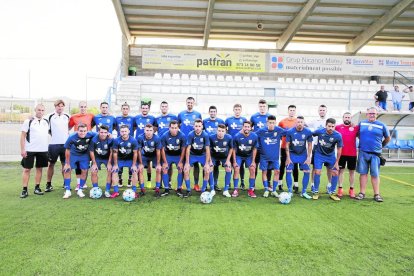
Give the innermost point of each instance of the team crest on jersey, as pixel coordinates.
(331, 139)
(303, 136)
(87, 140)
(168, 119)
(275, 134)
(177, 141)
(152, 143)
(351, 129)
(193, 116)
(224, 143)
(128, 144)
(201, 139)
(370, 128)
(105, 146)
(108, 121)
(250, 141)
(147, 120)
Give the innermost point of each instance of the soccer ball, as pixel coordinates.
(95, 193)
(128, 195)
(206, 197)
(284, 198)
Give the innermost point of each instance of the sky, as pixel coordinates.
(52, 48)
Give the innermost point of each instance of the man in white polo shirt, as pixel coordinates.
(33, 146)
(59, 131)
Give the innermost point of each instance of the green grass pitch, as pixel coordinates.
(46, 235)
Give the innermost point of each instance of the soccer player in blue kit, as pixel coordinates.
(172, 152)
(299, 151)
(269, 138)
(234, 125)
(124, 154)
(162, 122)
(210, 126)
(100, 151)
(244, 150)
(186, 119)
(150, 147)
(124, 119)
(77, 153)
(141, 121)
(221, 151)
(104, 118)
(197, 151)
(328, 138)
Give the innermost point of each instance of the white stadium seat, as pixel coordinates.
(255, 79)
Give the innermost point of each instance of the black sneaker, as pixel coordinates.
(141, 193)
(296, 189)
(38, 192)
(187, 194)
(280, 188)
(242, 187)
(179, 193)
(166, 192)
(24, 194)
(217, 188)
(49, 188)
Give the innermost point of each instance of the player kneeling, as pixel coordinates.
(100, 151)
(125, 154)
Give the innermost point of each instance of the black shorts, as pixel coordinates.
(348, 161)
(41, 160)
(55, 152)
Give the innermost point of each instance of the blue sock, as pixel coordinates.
(134, 188)
(205, 182)
(236, 183)
(82, 183)
(210, 181)
(157, 184)
(227, 179)
(305, 182)
(66, 181)
(188, 185)
(251, 183)
(289, 181)
(180, 180)
(116, 189)
(165, 180)
(266, 185)
(142, 186)
(95, 185)
(316, 182)
(334, 182)
(275, 183)
(108, 187)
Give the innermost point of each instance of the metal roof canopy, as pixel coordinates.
(354, 23)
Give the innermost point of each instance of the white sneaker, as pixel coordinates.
(266, 194)
(213, 193)
(226, 194)
(107, 194)
(80, 193)
(67, 194)
(275, 194)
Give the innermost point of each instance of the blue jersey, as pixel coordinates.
(269, 142)
(101, 148)
(210, 126)
(150, 146)
(125, 148)
(298, 140)
(198, 143)
(173, 145)
(258, 120)
(371, 135)
(244, 145)
(125, 120)
(220, 148)
(107, 120)
(79, 146)
(326, 143)
(140, 123)
(186, 120)
(234, 125)
(163, 123)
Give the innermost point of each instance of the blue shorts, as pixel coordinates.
(81, 160)
(217, 162)
(197, 159)
(298, 159)
(368, 162)
(147, 160)
(56, 151)
(321, 159)
(124, 163)
(269, 165)
(240, 159)
(172, 159)
(99, 163)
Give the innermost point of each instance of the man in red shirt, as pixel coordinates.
(349, 153)
(286, 124)
(81, 117)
